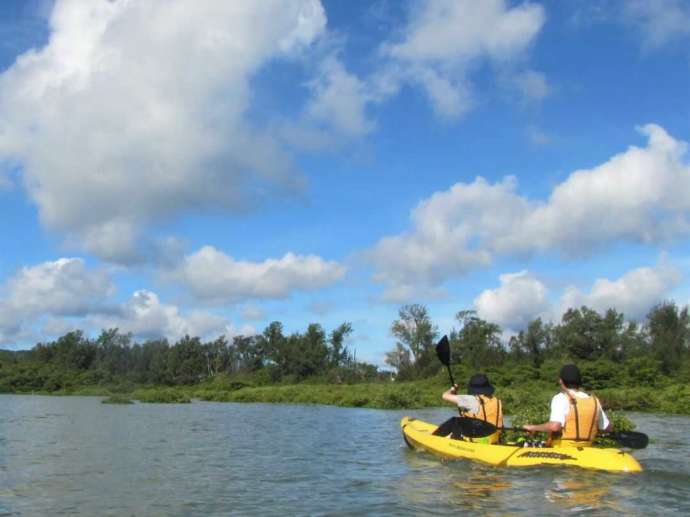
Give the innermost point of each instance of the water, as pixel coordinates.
(76, 456)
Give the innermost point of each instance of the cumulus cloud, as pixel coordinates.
(52, 298)
(660, 21)
(339, 99)
(520, 298)
(136, 111)
(633, 294)
(146, 317)
(445, 39)
(62, 288)
(641, 195)
(216, 277)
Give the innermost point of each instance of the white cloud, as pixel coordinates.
(146, 317)
(340, 99)
(633, 294)
(135, 111)
(452, 233)
(641, 195)
(520, 298)
(63, 288)
(457, 31)
(445, 38)
(52, 298)
(214, 276)
(659, 21)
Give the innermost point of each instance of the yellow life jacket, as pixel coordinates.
(581, 424)
(491, 411)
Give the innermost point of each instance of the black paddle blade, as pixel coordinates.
(630, 439)
(475, 428)
(443, 351)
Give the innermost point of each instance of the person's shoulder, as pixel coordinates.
(558, 397)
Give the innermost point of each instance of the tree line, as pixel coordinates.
(655, 348)
(658, 346)
(113, 357)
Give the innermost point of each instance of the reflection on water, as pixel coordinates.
(76, 456)
(480, 491)
(581, 493)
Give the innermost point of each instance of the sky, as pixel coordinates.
(171, 167)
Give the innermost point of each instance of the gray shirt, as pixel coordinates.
(468, 403)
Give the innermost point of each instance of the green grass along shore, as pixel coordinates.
(671, 398)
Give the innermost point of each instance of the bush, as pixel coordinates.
(161, 396)
(116, 399)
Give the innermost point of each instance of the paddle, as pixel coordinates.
(443, 353)
(475, 428)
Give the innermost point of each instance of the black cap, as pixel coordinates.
(570, 375)
(479, 385)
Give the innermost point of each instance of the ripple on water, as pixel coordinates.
(58, 454)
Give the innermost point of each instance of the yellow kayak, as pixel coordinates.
(418, 435)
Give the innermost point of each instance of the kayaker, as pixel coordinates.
(478, 403)
(576, 417)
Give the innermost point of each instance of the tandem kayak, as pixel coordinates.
(418, 435)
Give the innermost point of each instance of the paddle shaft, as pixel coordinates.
(450, 374)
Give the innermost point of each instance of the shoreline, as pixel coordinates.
(673, 399)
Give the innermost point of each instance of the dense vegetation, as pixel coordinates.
(635, 366)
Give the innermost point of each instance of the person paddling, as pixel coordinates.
(576, 417)
(479, 403)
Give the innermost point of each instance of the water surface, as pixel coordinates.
(76, 456)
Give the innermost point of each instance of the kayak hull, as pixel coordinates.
(418, 435)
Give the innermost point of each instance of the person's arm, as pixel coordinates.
(450, 395)
(559, 410)
(546, 427)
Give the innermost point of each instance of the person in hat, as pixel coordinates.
(576, 417)
(478, 403)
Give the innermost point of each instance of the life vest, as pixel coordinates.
(581, 423)
(491, 411)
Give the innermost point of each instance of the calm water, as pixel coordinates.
(74, 455)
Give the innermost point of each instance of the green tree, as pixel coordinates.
(478, 342)
(669, 333)
(532, 342)
(415, 332)
(401, 360)
(339, 354)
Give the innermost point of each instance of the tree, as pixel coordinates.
(339, 354)
(186, 361)
(532, 342)
(400, 359)
(416, 333)
(478, 342)
(585, 334)
(669, 332)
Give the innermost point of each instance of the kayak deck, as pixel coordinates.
(418, 435)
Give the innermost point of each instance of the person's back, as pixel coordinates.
(583, 417)
(576, 417)
(490, 410)
(479, 403)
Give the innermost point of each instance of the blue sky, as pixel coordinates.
(171, 167)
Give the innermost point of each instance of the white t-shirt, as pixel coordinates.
(468, 403)
(560, 406)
